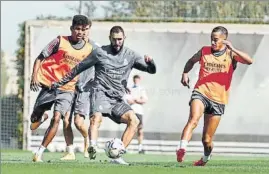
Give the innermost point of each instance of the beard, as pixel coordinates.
(114, 50)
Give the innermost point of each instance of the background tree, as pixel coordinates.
(86, 8)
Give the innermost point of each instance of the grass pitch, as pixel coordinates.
(18, 162)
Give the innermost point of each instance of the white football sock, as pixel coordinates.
(93, 142)
(206, 158)
(41, 150)
(70, 149)
(140, 147)
(182, 144)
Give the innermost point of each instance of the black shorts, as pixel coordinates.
(140, 117)
(211, 107)
(109, 106)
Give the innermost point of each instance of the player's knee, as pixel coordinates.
(34, 118)
(36, 115)
(132, 119)
(140, 131)
(78, 122)
(193, 123)
(66, 123)
(57, 118)
(96, 119)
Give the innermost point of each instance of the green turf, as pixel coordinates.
(20, 163)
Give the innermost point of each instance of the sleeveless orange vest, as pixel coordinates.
(215, 75)
(56, 66)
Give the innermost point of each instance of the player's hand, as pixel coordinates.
(130, 100)
(147, 58)
(34, 85)
(185, 80)
(228, 44)
(137, 101)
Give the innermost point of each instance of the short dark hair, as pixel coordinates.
(136, 77)
(81, 20)
(116, 29)
(221, 29)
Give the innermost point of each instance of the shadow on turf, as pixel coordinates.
(144, 164)
(13, 160)
(159, 164)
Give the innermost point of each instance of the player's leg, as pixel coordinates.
(53, 128)
(82, 128)
(140, 134)
(64, 104)
(43, 103)
(197, 108)
(49, 135)
(61, 108)
(123, 113)
(69, 137)
(37, 118)
(98, 104)
(68, 133)
(95, 122)
(132, 122)
(211, 122)
(82, 108)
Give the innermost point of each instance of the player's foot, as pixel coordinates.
(141, 151)
(92, 152)
(68, 157)
(180, 155)
(201, 162)
(36, 124)
(86, 154)
(119, 161)
(37, 158)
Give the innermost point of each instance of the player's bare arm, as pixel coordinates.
(34, 86)
(240, 56)
(188, 67)
(141, 100)
(147, 64)
(51, 48)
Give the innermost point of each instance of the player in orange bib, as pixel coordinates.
(211, 92)
(54, 62)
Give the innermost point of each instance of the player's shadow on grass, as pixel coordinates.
(159, 164)
(13, 160)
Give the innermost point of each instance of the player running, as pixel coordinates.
(58, 58)
(113, 64)
(81, 109)
(211, 92)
